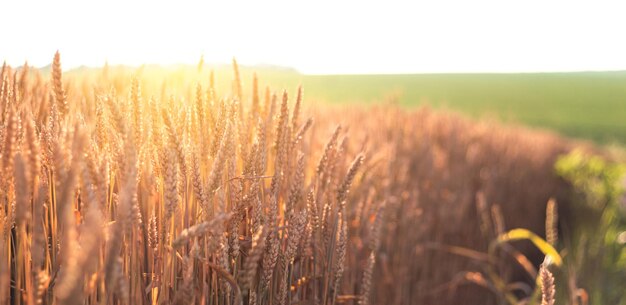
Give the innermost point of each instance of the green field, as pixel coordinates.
(588, 105)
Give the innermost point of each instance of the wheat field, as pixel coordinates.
(125, 189)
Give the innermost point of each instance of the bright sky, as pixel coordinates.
(322, 37)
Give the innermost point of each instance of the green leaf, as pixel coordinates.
(540, 243)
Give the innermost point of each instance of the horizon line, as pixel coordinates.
(297, 71)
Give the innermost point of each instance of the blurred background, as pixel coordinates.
(556, 64)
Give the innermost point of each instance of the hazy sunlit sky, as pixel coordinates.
(321, 37)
